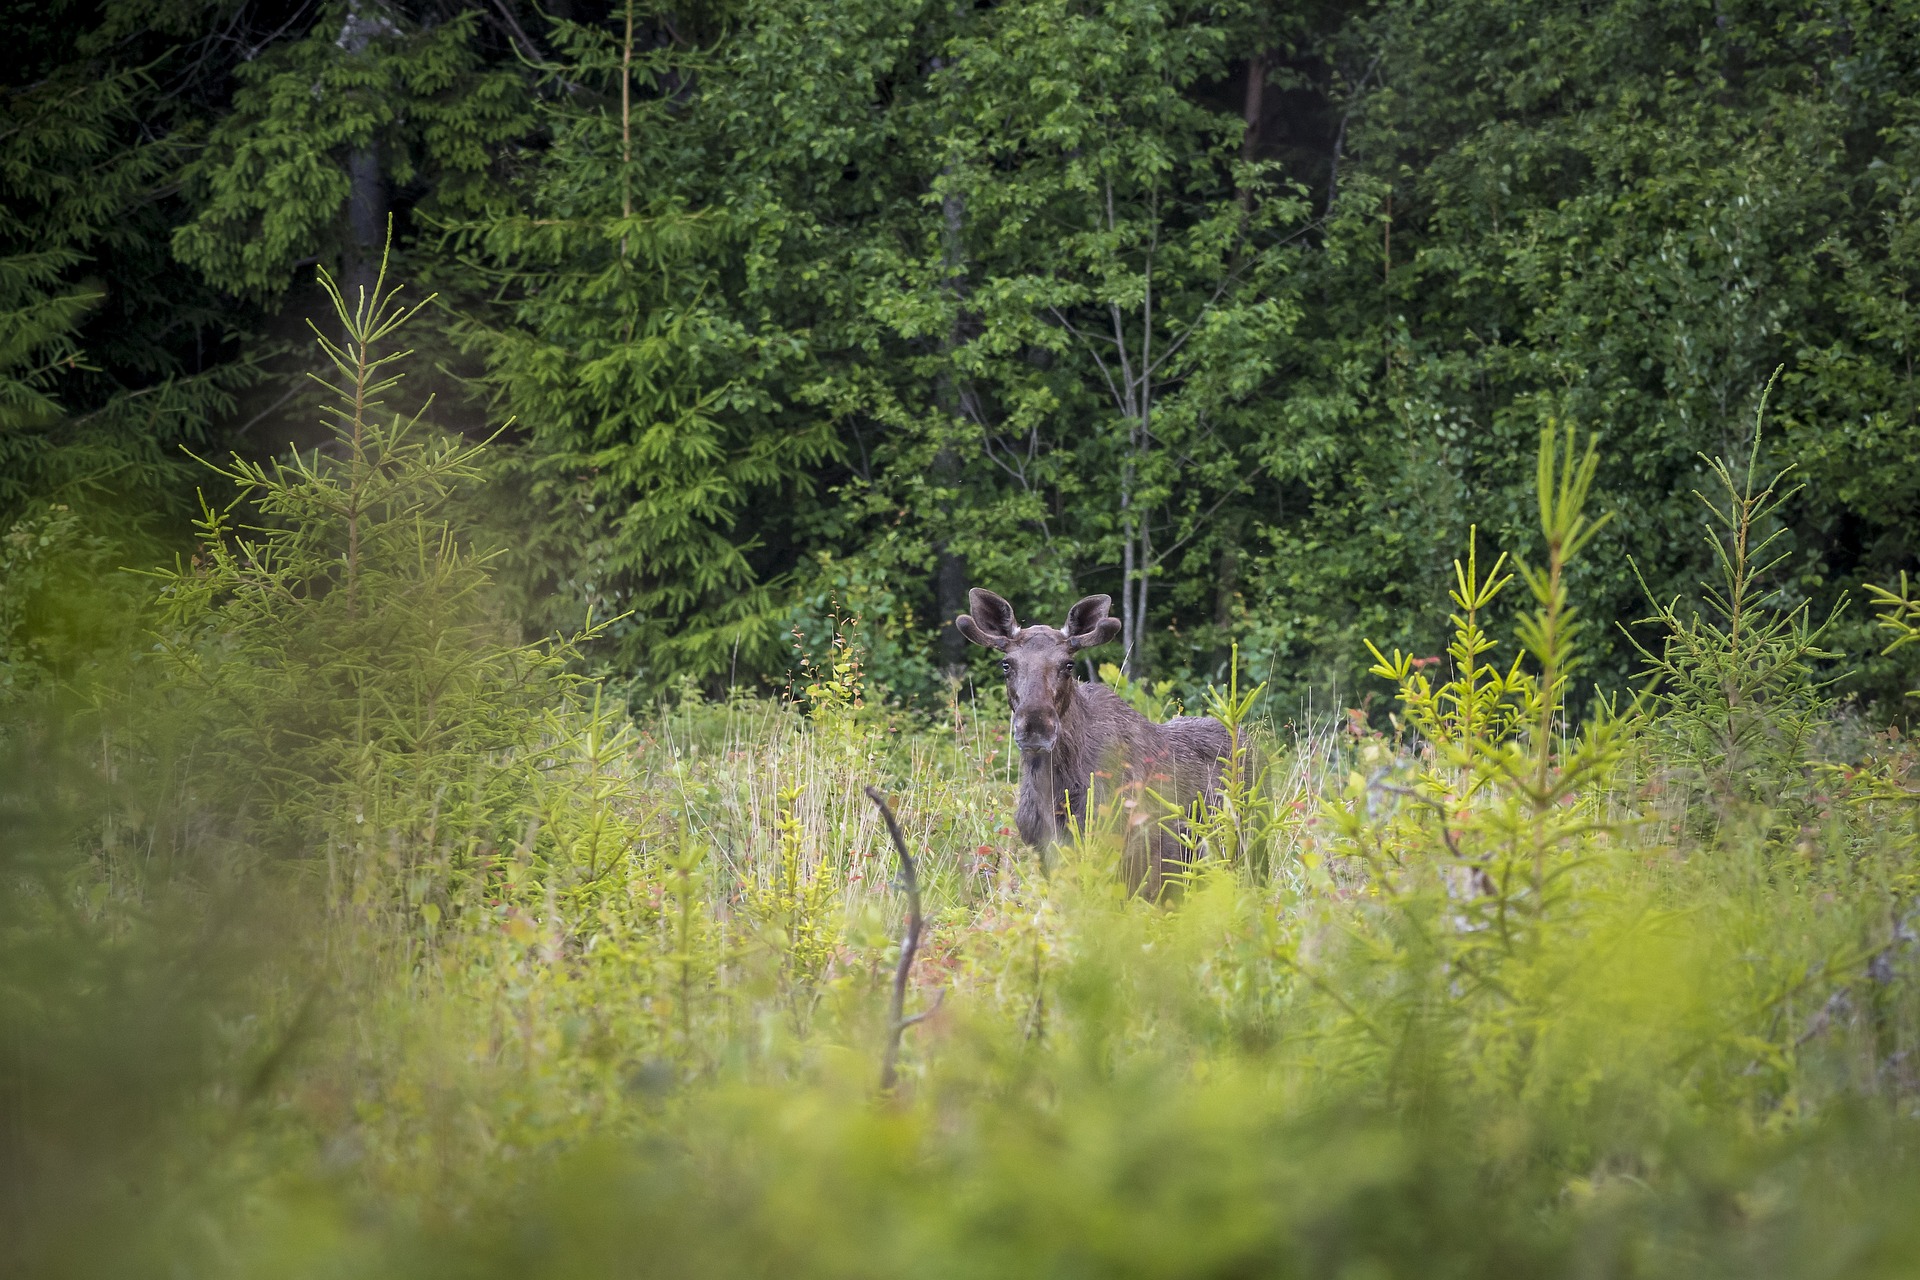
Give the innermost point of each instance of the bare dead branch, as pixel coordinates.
(939, 999)
(1340, 135)
(909, 947)
(1087, 341)
(1207, 515)
(518, 36)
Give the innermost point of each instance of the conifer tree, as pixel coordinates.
(646, 389)
(101, 369)
(334, 640)
(325, 128)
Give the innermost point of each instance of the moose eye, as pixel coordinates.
(1066, 668)
(1006, 668)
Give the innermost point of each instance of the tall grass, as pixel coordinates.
(346, 935)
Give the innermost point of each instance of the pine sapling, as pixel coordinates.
(1503, 788)
(1737, 697)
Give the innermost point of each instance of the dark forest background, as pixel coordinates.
(1239, 312)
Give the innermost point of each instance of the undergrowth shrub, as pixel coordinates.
(64, 606)
(1248, 824)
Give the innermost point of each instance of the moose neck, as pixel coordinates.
(1046, 777)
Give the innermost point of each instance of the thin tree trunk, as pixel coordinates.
(1251, 112)
(1142, 662)
(367, 208)
(949, 567)
(1129, 630)
(366, 224)
(626, 123)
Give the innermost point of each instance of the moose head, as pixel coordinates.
(1037, 660)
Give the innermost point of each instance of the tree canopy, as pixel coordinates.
(1240, 312)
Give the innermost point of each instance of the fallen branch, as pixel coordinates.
(897, 1023)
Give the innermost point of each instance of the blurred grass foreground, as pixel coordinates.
(344, 934)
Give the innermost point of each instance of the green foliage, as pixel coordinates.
(268, 187)
(1900, 614)
(798, 308)
(801, 306)
(833, 689)
(790, 304)
(833, 593)
(1123, 280)
(1246, 826)
(37, 341)
(1619, 215)
(1151, 698)
(646, 393)
(1739, 694)
(135, 1004)
(95, 396)
(784, 298)
(797, 910)
(64, 605)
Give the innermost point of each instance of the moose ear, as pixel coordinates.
(1103, 631)
(989, 621)
(1088, 624)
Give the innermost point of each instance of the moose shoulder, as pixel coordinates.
(1081, 746)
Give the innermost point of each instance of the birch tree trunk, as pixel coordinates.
(1142, 662)
(950, 568)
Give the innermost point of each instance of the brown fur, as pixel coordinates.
(1082, 748)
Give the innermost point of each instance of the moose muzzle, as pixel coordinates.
(1035, 730)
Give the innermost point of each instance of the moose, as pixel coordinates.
(1079, 738)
